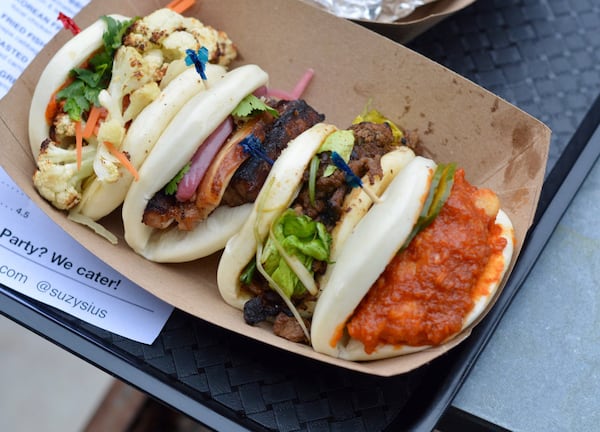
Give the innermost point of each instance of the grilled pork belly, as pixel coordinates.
(234, 177)
(247, 181)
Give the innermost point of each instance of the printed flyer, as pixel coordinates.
(38, 259)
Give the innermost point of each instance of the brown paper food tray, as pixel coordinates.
(499, 146)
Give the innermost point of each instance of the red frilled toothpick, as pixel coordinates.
(68, 23)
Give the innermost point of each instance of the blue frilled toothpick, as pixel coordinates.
(352, 179)
(253, 147)
(198, 59)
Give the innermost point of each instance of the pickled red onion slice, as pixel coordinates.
(298, 90)
(202, 159)
(260, 92)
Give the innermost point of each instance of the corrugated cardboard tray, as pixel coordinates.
(500, 146)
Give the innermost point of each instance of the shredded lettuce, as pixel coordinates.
(260, 204)
(90, 223)
(297, 236)
(278, 290)
(341, 142)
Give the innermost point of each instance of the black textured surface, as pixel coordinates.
(541, 55)
(266, 388)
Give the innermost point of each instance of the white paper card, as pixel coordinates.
(40, 260)
(26, 26)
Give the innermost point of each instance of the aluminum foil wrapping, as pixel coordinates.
(372, 10)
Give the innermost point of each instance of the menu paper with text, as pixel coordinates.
(37, 258)
(26, 26)
(40, 260)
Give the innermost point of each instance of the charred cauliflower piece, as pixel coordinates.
(149, 47)
(144, 55)
(64, 127)
(176, 33)
(57, 178)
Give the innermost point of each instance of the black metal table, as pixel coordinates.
(541, 55)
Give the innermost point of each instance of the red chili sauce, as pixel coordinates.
(427, 289)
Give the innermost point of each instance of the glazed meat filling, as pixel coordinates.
(372, 141)
(164, 210)
(247, 181)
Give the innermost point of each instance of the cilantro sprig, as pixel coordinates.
(171, 187)
(87, 83)
(251, 105)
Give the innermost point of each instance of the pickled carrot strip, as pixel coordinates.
(123, 159)
(92, 121)
(180, 6)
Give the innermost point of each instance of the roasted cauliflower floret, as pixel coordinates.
(174, 33)
(64, 127)
(131, 71)
(106, 165)
(139, 99)
(150, 46)
(57, 178)
(153, 47)
(111, 131)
